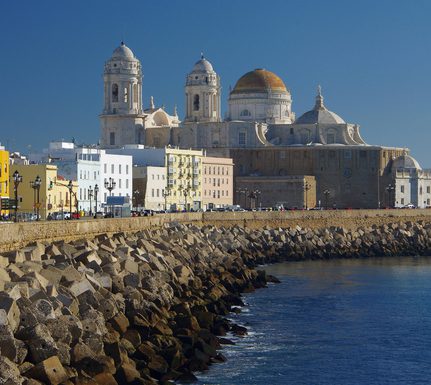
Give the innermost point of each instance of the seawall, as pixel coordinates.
(16, 235)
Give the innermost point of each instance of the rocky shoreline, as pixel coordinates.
(150, 307)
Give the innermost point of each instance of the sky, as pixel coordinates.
(372, 59)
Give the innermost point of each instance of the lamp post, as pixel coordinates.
(135, 197)
(90, 195)
(326, 193)
(96, 191)
(17, 179)
(186, 191)
(307, 187)
(70, 187)
(389, 189)
(254, 195)
(242, 191)
(35, 185)
(166, 193)
(110, 185)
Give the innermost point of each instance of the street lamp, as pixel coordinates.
(110, 185)
(90, 195)
(255, 196)
(242, 191)
(35, 185)
(96, 191)
(186, 191)
(307, 187)
(389, 190)
(326, 193)
(136, 198)
(17, 179)
(166, 193)
(70, 187)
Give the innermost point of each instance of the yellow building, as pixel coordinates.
(54, 194)
(184, 173)
(4, 177)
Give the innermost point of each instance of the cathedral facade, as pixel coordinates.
(260, 132)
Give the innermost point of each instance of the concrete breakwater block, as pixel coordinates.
(148, 307)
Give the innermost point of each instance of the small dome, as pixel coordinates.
(319, 114)
(123, 52)
(406, 162)
(203, 65)
(259, 80)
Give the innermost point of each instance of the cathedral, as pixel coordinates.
(270, 146)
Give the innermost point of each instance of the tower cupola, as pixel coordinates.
(202, 93)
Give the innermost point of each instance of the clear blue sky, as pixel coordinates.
(372, 59)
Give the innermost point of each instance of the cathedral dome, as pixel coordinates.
(259, 80)
(203, 65)
(320, 114)
(406, 162)
(123, 52)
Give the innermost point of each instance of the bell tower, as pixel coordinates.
(202, 93)
(122, 116)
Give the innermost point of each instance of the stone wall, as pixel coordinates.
(15, 235)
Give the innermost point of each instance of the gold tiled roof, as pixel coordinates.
(259, 80)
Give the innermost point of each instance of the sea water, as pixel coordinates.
(334, 322)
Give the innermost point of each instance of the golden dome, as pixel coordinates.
(259, 80)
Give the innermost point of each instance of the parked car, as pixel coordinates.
(409, 206)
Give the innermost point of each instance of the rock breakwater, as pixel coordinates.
(150, 307)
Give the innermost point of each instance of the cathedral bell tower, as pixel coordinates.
(202, 93)
(122, 120)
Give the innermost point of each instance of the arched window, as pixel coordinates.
(115, 92)
(135, 93)
(126, 94)
(196, 103)
(245, 113)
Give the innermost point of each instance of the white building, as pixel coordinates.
(149, 184)
(90, 167)
(410, 184)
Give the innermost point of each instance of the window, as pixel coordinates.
(127, 168)
(135, 93)
(115, 92)
(402, 201)
(196, 103)
(126, 95)
(241, 138)
(402, 189)
(420, 191)
(330, 138)
(105, 167)
(158, 192)
(428, 189)
(112, 138)
(119, 168)
(127, 183)
(291, 130)
(112, 168)
(245, 113)
(152, 192)
(119, 183)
